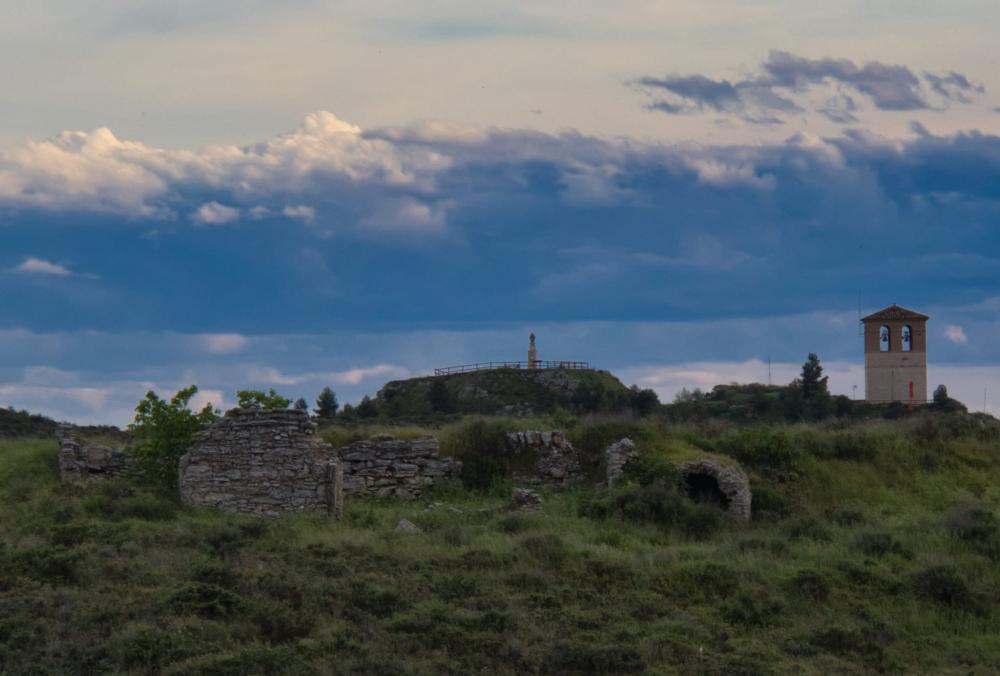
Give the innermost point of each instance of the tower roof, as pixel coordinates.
(894, 312)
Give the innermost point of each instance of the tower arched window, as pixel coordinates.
(906, 338)
(883, 338)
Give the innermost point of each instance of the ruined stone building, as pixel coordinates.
(896, 356)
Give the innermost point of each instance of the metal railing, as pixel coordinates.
(492, 365)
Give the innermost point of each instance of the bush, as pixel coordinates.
(879, 544)
(547, 549)
(162, 431)
(265, 400)
(971, 523)
(481, 446)
(205, 600)
(943, 585)
(811, 585)
(763, 448)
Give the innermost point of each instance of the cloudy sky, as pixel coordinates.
(299, 194)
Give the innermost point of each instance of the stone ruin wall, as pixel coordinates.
(258, 461)
(388, 467)
(271, 461)
(85, 461)
(558, 462)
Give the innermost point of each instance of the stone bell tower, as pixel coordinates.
(896, 356)
(532, 352)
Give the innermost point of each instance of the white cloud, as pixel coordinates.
(956, 334)
(92, 398)
(407, 215)
(213, 213)
(271, 376)
(301, 212)
(204, 398)
(221, 343)
(38, 266)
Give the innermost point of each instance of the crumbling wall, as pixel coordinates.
(616, 457)
(557, 461)
(259, 461)
(388, 467)
(88, 461)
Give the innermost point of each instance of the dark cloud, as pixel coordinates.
(769, 94)
(429, 224)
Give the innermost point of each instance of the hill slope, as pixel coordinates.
(873, 549)
(490, 391)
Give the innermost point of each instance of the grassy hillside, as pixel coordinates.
(874, 549)
(487, 392)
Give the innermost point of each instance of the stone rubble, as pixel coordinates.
(87, 461)
(525, 500)
(407, 526)
(558, 462)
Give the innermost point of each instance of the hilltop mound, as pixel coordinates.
(506, 390)
(23, 424)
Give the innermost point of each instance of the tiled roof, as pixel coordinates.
(894, 312)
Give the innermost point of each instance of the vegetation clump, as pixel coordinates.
(873, 548)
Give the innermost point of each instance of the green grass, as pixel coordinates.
(874, 549)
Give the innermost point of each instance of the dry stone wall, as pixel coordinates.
(88, 461)
(558, 462)
(388, 467)
(271, 462)
(261, 462)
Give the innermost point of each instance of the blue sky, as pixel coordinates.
(281, 195)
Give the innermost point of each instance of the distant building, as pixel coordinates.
(896, 356)
(532, 352)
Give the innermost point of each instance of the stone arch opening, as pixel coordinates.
(702, 487)
(726, 485)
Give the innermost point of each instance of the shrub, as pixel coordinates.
(162, 432)
(879, 544)
(811, 585)
(592, 656)
(807, 528)
(258, 399)
(205, 600)
(972, 523)
(546, 548)
(942, 584)
(763, 448)
(481, 446)
(755, 608)
(376, 600)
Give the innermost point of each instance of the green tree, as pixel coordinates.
(161, 433)
(366, 408)
(440, 397)
(301, 404)
(326, 405)
(940, 396)
(258, 399)
(644, 402)
(814, 383)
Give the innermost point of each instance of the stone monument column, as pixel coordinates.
(532, 352)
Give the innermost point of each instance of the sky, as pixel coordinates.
(305, 194)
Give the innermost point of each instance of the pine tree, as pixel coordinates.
(814, 383)
(326, 404)
(366, 408)
(301, 404)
